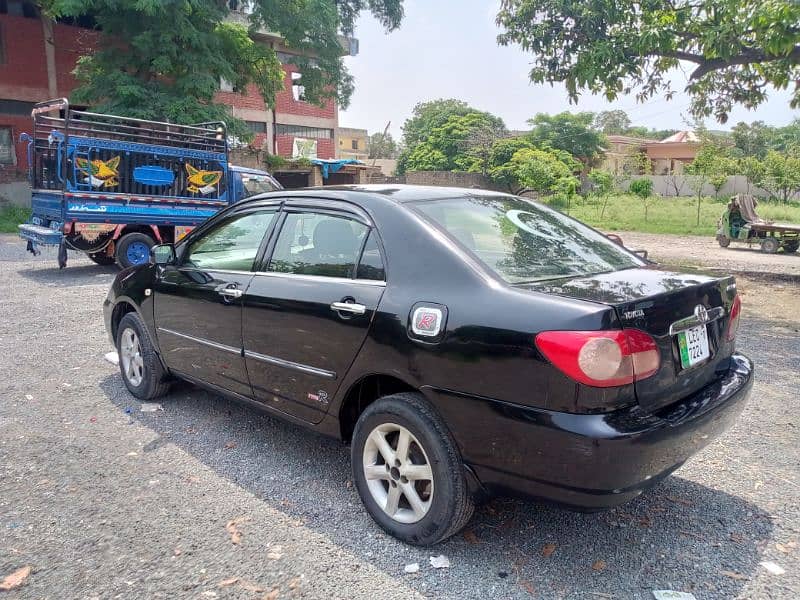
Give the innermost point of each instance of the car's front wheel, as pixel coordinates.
(139, 364)
(408, 470)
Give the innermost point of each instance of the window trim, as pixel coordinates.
(322, 206)
(184, 253)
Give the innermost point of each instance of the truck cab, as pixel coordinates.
(111, 187)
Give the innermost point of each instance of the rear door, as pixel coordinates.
(308, 310)
(198, 302)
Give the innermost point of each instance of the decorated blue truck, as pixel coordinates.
(111, 187)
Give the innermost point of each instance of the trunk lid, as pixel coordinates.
(663, 303)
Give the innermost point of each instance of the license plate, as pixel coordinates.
(693, 345)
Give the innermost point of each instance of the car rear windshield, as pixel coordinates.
(523, 241)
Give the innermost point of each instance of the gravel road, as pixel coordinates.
(705, 251)
(102, 500)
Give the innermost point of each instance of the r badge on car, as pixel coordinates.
(426, 321)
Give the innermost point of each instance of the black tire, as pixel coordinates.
(151, 382)
(450, 504)
(102, 259)
(723, 241)
(128, 240)
(770, 245)
(791, 247)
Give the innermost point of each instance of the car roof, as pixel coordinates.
(397, 193)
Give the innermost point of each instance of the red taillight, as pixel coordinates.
(733, 320)
(601, 358)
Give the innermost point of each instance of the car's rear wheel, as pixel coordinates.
(139, 364)
(408, 470)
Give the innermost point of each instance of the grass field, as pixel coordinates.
(12, 216)
(668, 215)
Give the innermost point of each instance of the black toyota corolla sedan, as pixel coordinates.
(464, 342)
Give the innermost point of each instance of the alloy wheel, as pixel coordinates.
(130, 354)
(398, 473)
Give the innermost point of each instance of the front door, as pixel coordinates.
(198, 301)
(307, 314)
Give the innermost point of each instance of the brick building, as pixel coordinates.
(37, 58)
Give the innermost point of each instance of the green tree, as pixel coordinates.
(737, 47)
(382, 145)
(642, 188)
(614, 122)
(781, 176)
(753, 169)
(570, 132)
(165, 59)
(427, 116)
(461, 142)
(542, 171)
(712, 164)
(753, 139)
(602, 184)
(787, 137)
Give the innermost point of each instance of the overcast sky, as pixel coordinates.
(448, 49)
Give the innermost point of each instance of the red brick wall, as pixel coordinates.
(71, 43)
(23, 76)
(251, 99)
(285, 102)
(325, 147)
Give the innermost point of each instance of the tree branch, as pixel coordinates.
(745, 58)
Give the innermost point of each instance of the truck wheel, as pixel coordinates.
(133, 249)
(102, 259)
(139, 364)
(724, 242)
(791, 247)
(408, 470)
(770, 245)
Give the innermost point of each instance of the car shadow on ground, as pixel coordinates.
(709, 537)
(84, 274)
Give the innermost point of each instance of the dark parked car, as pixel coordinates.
(465, 342)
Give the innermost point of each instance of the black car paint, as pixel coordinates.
(520, 423)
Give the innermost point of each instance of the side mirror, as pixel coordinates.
(162, 254)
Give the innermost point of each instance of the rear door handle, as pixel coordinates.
(230, 292)
(349, 307)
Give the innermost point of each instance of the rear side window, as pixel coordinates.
(371, 264)
(232, 245)
(523, 241)
(320, 244)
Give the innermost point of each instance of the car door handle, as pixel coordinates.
(230, 293)
(349, 307)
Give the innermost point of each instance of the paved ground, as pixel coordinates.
(104, 501)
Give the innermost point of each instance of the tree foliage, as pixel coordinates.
(382, 145)
(736, 47)
(614, 122)
(449, 138)
(570, 132)
(546, 172)
(781, 174)
(712, 164)
(164, 59)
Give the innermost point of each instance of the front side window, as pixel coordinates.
(522, 241)
(231, 245)
(313, 243)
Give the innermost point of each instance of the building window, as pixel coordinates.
(354, 144)
(2, 47)
(7, 154)
(298, 90)
(256, 126)
(303, 131)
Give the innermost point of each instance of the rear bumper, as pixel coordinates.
(589, 462)
(40, 235)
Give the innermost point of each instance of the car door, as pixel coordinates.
(307, 312)
(198, 301)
